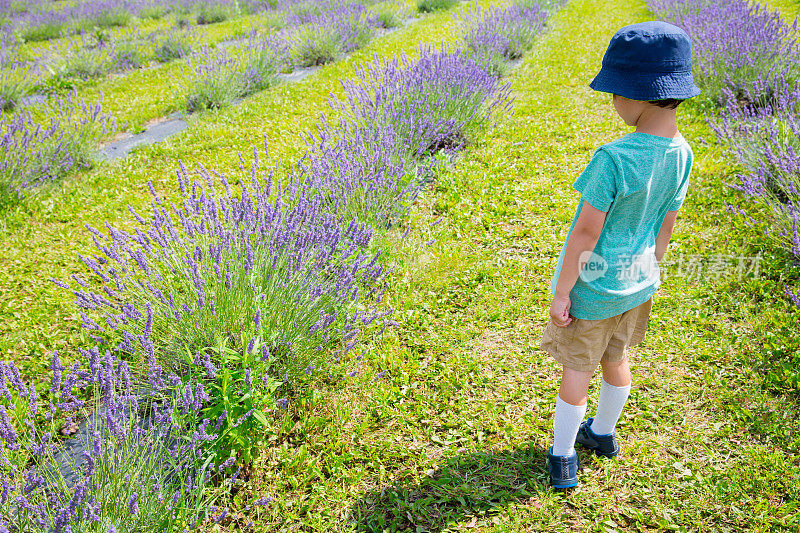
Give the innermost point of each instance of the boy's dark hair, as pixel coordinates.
(669, 103)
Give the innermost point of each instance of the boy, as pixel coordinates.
(608, 269)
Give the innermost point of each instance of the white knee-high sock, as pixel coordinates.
(567, 419)
(609, 407)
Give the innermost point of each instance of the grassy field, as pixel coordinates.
(454, 437)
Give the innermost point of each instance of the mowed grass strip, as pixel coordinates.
(454, 437)
(41, 238)
(789, 9)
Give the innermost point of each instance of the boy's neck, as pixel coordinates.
(658, 121)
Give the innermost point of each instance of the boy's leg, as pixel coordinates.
(570, 409)
(614, 390)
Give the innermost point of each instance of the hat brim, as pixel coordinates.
(646, 86)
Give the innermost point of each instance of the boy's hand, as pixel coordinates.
(559, 311)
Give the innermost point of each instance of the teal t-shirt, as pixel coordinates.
(636, 179)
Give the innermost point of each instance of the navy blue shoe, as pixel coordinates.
(563, 469)
(605, 445)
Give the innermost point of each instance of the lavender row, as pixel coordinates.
(35, 155)
(40, 21)
(229, 299)
(85, 56)
(217, 77)
(748, 63)
(313, 34)
(312, 37)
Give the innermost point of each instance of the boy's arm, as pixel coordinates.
(665, 234)
(583, 239)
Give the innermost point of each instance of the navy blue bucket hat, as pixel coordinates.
(648, 61)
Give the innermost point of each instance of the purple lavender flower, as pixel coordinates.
(227, 463)
(264, 500)
(133, 503)
(794, 295)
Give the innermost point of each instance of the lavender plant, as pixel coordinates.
(214, 80)
(86, 56)
(43, 25)
(153, 11)
(429, 6)
(218, 77)
(747, 60)
(501, 34)
(388, 18)
(128, 55)
(17, 81)
(390, 14)
(277, 269)
(33, 154)
(46, 22)
(256, 6)
(216, 11)
(141, 464)
(446, 97)
(768, 145)
(101, 14)
(9, 51)
(170, 47)
(324, 32)
(315, 45)
(359, 171)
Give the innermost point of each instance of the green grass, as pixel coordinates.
(789, 9)
(454, 437)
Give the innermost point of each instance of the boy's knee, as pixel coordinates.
(613, 364)
(616, 373)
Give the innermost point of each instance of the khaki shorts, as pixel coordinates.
(582, 344)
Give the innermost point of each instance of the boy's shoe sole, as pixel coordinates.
(604, 445)
(563, 470)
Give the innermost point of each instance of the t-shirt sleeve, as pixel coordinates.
(598, 181)
(680, 196)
